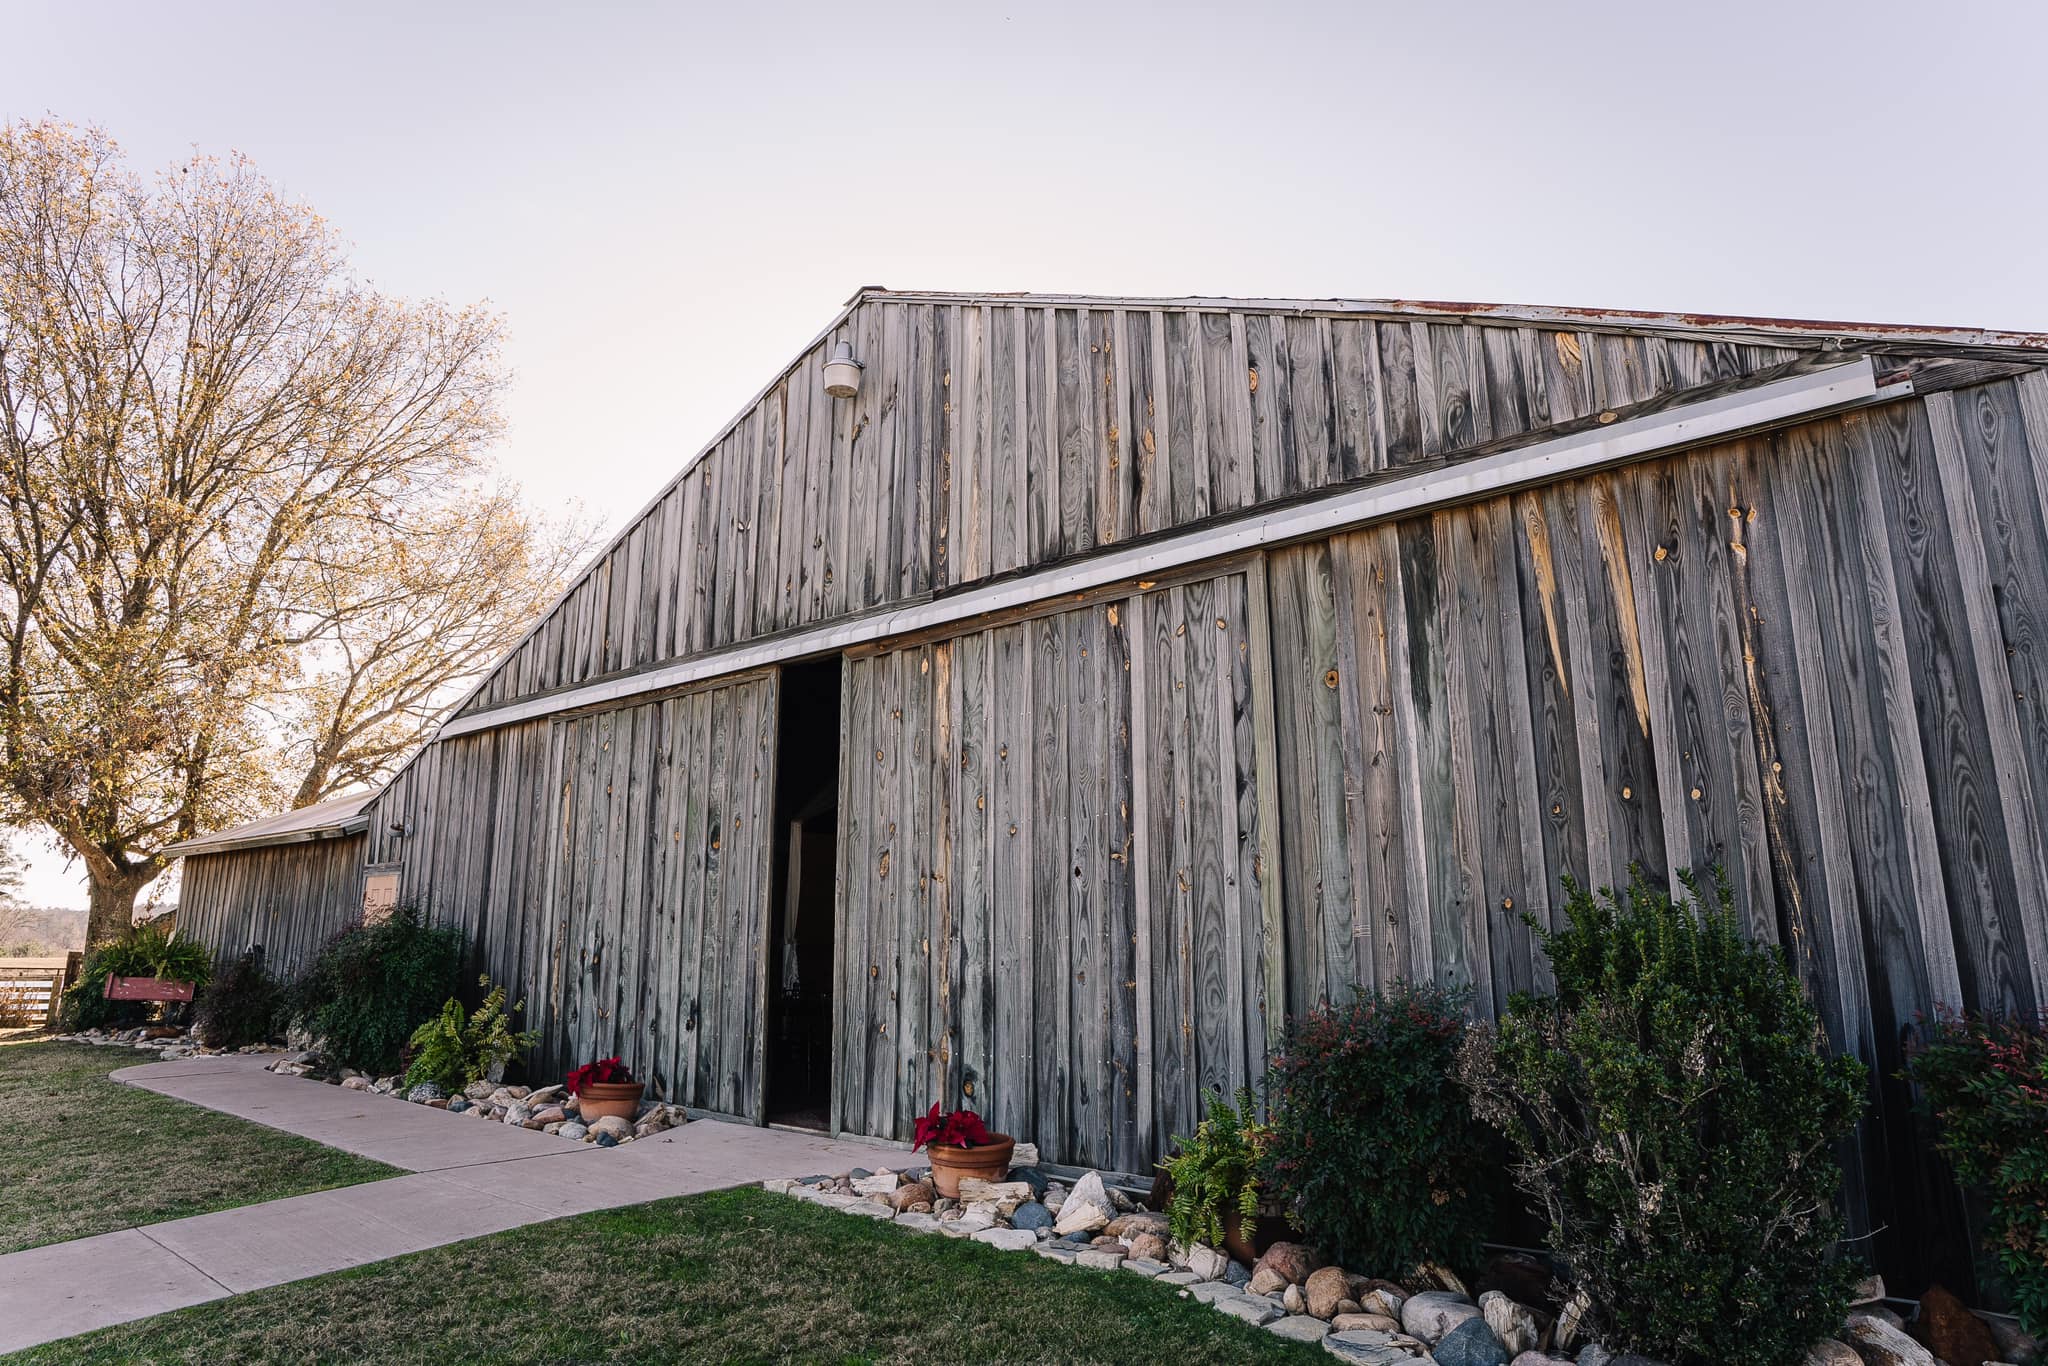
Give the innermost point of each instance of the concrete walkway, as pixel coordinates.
(469, 1177)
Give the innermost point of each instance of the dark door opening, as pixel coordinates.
(800, 967)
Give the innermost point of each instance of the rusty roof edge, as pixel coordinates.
(1700, 324)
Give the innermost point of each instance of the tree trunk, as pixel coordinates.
(113, 907)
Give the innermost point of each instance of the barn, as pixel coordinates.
(1026, 702)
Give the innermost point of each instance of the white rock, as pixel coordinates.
(1880, 1344)
(1145, 1266)
(1201, 1259)
(1513, 1324)
(1056, 1253)
(1024, 1155)
(881, 1183)
(357, 1083)
(917, 1223)
(780, 1185)
(973, 1188)
(1008, 1239)
(1099, 1258)
(1086, 1207)
(1434, 1313)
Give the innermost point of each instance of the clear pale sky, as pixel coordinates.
(668, 201)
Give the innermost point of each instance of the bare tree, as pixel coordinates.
(232, 477)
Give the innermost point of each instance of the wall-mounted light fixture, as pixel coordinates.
(842, 373)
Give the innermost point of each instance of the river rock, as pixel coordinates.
(1946, 1327)
(1200, 1258)
(1470, 1343)
(1151, 1246)
(1869, 1290)
(1099, 1258)
(1299, 1328)
(571, 1129)
(551, 1114)
(423, 1092)
(1031, 1215)
(1086, 1206)
(1376, 1323)
(1266, 1281)
(357, 1083)
(1546, 1359)
(880, 1183)
(1291, 1262)
(1512, 1323)
(1292, 1299)
(1129, 1226)
(1828, 1352)
(2014, 1343)
(913, 1193)
(1434, 1313)
(1324, 1290)
(1880, 1344)
(618, 1126)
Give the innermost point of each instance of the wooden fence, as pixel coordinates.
(32, 989)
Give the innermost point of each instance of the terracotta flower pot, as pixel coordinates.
(600, 1098)
(989, 1161)
(1248, 1242)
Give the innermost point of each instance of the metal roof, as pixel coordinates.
(331, 819)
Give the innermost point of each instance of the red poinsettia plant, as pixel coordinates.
(955, 1129)
(604, 1069)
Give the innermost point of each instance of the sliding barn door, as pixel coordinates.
(658, 892)
(1054, 906)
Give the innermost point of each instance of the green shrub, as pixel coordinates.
(1985, 1083)
(373, 985)
(1374, 1147)
(240, 1006)
(1216, 1170)
(454, 1048)
(1673, 1111)
(147, 951)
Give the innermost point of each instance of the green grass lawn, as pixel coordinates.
(735, 1276)
(81, 1154)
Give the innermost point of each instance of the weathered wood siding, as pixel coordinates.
(289, 898)
(991, 437)
(1813, 659)
(1053, 905)
(611, 868)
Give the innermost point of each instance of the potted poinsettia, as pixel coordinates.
(962, 1146)
(604, 1087)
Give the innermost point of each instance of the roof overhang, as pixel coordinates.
(336, 818)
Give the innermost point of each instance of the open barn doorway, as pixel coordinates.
(806, 864)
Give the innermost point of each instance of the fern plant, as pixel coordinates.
(455, 1048)
(1217, 1170)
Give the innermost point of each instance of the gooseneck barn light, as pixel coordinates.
(842, 372)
